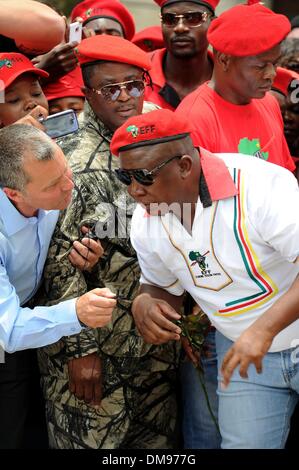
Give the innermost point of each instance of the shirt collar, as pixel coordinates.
(13, 220)
(170, 95)
(217, 183)
(157, 72)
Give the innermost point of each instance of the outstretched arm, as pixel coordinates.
(35, 27)
(255, 342)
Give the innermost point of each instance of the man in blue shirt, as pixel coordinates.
(35, 183)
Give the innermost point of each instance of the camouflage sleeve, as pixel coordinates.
(61, 280)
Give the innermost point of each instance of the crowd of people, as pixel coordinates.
(173, 204)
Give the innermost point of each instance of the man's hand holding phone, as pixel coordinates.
(59, 61)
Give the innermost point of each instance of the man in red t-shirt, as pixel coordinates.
(234, 112)
(185, 63)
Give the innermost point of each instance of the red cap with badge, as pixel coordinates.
(12, 65)
(149, 39)
(151, 128)
(68, 85)
(210, 4)
(112, 9)
(247, 30)
(111, 49)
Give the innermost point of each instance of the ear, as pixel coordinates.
(13, 194)
(185, 164)
(224, 60)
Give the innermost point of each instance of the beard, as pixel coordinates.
(189, 54)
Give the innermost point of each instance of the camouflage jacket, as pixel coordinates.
(99, 198)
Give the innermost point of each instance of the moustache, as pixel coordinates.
(182, 39)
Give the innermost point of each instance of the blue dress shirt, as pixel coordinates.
(24, 243)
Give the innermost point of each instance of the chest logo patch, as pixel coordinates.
(252, 147)
(200, 261)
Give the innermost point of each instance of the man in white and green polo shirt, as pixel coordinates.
(226, 230)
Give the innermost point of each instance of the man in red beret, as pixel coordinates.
(224, 229)
(185, 62)
(105, 17)
(234, 111)
(114, 391)
(177, 70)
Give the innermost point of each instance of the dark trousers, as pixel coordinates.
(22, 422)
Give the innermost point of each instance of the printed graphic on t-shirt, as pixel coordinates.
(197, 251)
(252, 147)
(200, 262)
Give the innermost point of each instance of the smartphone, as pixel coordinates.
(75, 31)
(60, 124)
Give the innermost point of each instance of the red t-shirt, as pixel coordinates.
(158, 80)
(253, 129)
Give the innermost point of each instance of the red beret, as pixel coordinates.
(149, 39)
(92, 9)
(151, 128)
(68, 85)
(210, 4)
(247, 30)
(283, 80)
(111, 49)
(80, 9)
(12, 65)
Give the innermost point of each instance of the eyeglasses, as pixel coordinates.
(134, 88)
(193, 19)
(142, 176)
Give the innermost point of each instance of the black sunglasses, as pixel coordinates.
(111, 92)
(192, 19)
(142, 176)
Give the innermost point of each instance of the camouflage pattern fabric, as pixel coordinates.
(138, 409)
